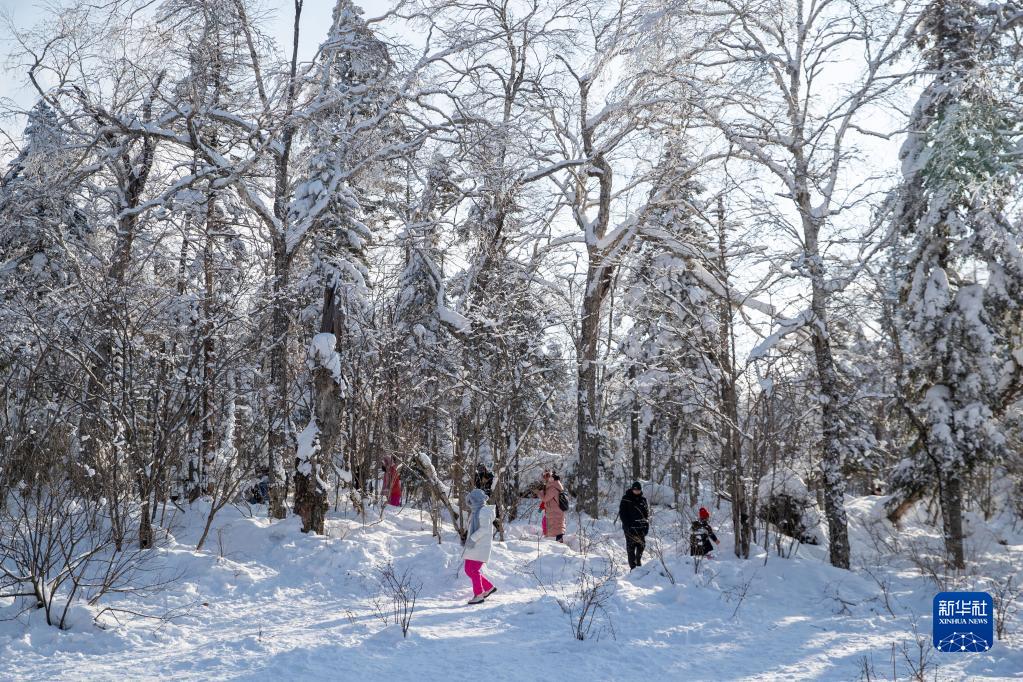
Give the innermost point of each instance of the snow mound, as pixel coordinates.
(785, 501)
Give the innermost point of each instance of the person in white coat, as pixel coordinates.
(478, 545)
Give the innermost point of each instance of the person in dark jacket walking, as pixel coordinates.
(635, 515)
(702, 534)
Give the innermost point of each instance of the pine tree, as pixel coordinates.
(673, 379)
(353, 87)
(421, 312)
(43, 234)
(962, 277)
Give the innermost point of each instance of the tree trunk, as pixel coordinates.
(694, 484)
(676, 478)
(146, 536)
(199, 483)
(599, 276)
(831, 425)
(310, 492)
(649, 449)
(635, 444)
(731, 446)
(280, 441)
(952, 518)
(311, 501)
(587, 397)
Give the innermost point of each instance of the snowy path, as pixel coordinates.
(284, 605)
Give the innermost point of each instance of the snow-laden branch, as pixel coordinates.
(786, 327)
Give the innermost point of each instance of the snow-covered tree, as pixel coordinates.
(783, 109)
(350, 113)
(45, 242)
(669, 350)
(961, 281)
(507, 361)
(43, 234)
(423, 318)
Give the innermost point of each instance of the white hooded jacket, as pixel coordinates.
(479, 544)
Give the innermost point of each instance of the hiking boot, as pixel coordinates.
(478, 599)
(489, 592)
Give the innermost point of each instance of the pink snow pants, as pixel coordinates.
(479, 583)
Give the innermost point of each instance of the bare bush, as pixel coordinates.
(785, 547)
(917, 654)
(403, 590)
(380, 609)
(738, 593)
(57, 550)
(933, 565)
(884, 583)
(585, 601)
(1006, 593)
(843, 606)
(656, 547)
(884, 543)
(867, 671)
(224, 479)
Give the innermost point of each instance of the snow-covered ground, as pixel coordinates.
(264, 601)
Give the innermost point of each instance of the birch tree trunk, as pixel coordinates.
(731, 446)
(831, 427)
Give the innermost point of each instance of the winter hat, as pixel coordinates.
(704, 514)
(476, 500)
(636, 485)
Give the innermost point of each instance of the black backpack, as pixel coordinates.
(563, 500)
(698, 539)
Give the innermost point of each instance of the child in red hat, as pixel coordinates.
(701, 535)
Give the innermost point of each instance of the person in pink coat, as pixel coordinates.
(555, 527)
(539, 493)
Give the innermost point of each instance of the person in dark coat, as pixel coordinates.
(259, 493)
(635, 515)
(702, 534)
(484, 479)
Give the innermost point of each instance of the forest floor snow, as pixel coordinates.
(264, 601)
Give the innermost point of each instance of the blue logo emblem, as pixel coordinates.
(963, 621)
